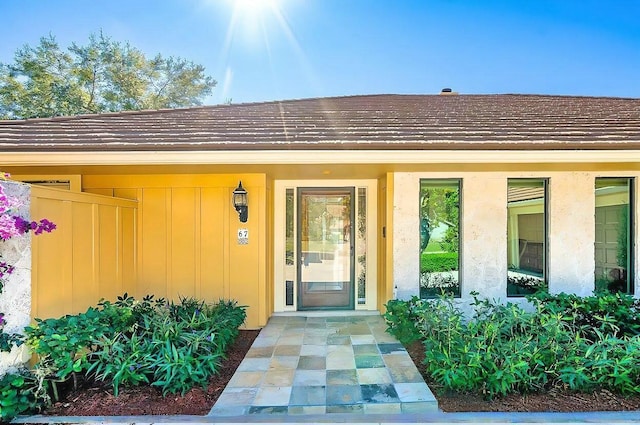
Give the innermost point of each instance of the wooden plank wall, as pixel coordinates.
(91, 255)
(187, 238)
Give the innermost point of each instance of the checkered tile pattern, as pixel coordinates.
(317, 365)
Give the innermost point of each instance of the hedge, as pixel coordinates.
(438, 262)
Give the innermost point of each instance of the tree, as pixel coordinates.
(102, 76)
(440, 205)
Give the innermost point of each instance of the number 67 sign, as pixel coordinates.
(243, 236)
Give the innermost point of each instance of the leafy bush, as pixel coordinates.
(609, 362)
(438, 261)
(7, 340)
(401, 318)
(175, 346)
(20, 393)
(63, 345)
(615, 313)
(504, 349)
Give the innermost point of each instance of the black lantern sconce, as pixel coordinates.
(240, 202)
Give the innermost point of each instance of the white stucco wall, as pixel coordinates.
(406, 236)
(571, 231)
(484, 236)
(15, 300)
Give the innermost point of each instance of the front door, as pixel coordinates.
(325, 248)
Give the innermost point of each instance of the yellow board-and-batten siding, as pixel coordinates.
(187, 242)
(89, 256)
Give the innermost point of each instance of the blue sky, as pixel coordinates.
(314, 48)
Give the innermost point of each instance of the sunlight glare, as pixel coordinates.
(250, 16)
(253, 24)
(251, 7)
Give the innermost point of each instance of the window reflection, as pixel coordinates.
(526, 236)
(361, 245)
(613, 242)
(439, 237)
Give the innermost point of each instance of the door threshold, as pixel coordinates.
(327, 313)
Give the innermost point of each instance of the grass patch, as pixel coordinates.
(432, 262)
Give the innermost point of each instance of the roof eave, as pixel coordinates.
(39, 158)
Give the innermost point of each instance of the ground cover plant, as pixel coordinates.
(171, 346)
(563, 344)
(20, 392)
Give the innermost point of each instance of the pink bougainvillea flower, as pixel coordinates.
(12, 225)
(8, 227)
(45, 226)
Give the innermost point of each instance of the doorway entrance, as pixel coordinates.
(325, 247)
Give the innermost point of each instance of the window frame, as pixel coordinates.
(631, 230)
(545, 232)
(459, 183)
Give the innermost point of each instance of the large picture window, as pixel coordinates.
(614, 235)
(526, 236)
(439, 237)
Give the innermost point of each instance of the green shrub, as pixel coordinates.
(615, 313)
(62, 345)
(608, 362)
(503, 348)
(401, 318)
(171, 345)
(438, 262)
(174, 346)
(7, 340)
(20, 393)
(185, 354)
(122, 360)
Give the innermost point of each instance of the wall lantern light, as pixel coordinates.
(240, 202)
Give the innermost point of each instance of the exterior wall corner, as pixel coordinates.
(15, 299)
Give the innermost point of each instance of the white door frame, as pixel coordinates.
(283, 273)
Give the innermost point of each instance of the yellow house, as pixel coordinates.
(351, 201)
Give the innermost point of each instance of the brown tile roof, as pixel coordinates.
(372, 122)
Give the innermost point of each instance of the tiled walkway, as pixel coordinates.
(318, 365)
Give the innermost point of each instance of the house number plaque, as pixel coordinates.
(243, 236)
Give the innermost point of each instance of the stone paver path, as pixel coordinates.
(317, 365)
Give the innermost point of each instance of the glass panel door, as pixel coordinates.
(325, 248)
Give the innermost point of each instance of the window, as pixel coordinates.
(289, 241)
(361, 245)
(526, 236)
(439, 237)
(614, 236)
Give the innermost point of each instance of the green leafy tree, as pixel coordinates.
(102, 75)
(440, 205)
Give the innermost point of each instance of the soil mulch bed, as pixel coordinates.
(96, 399)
